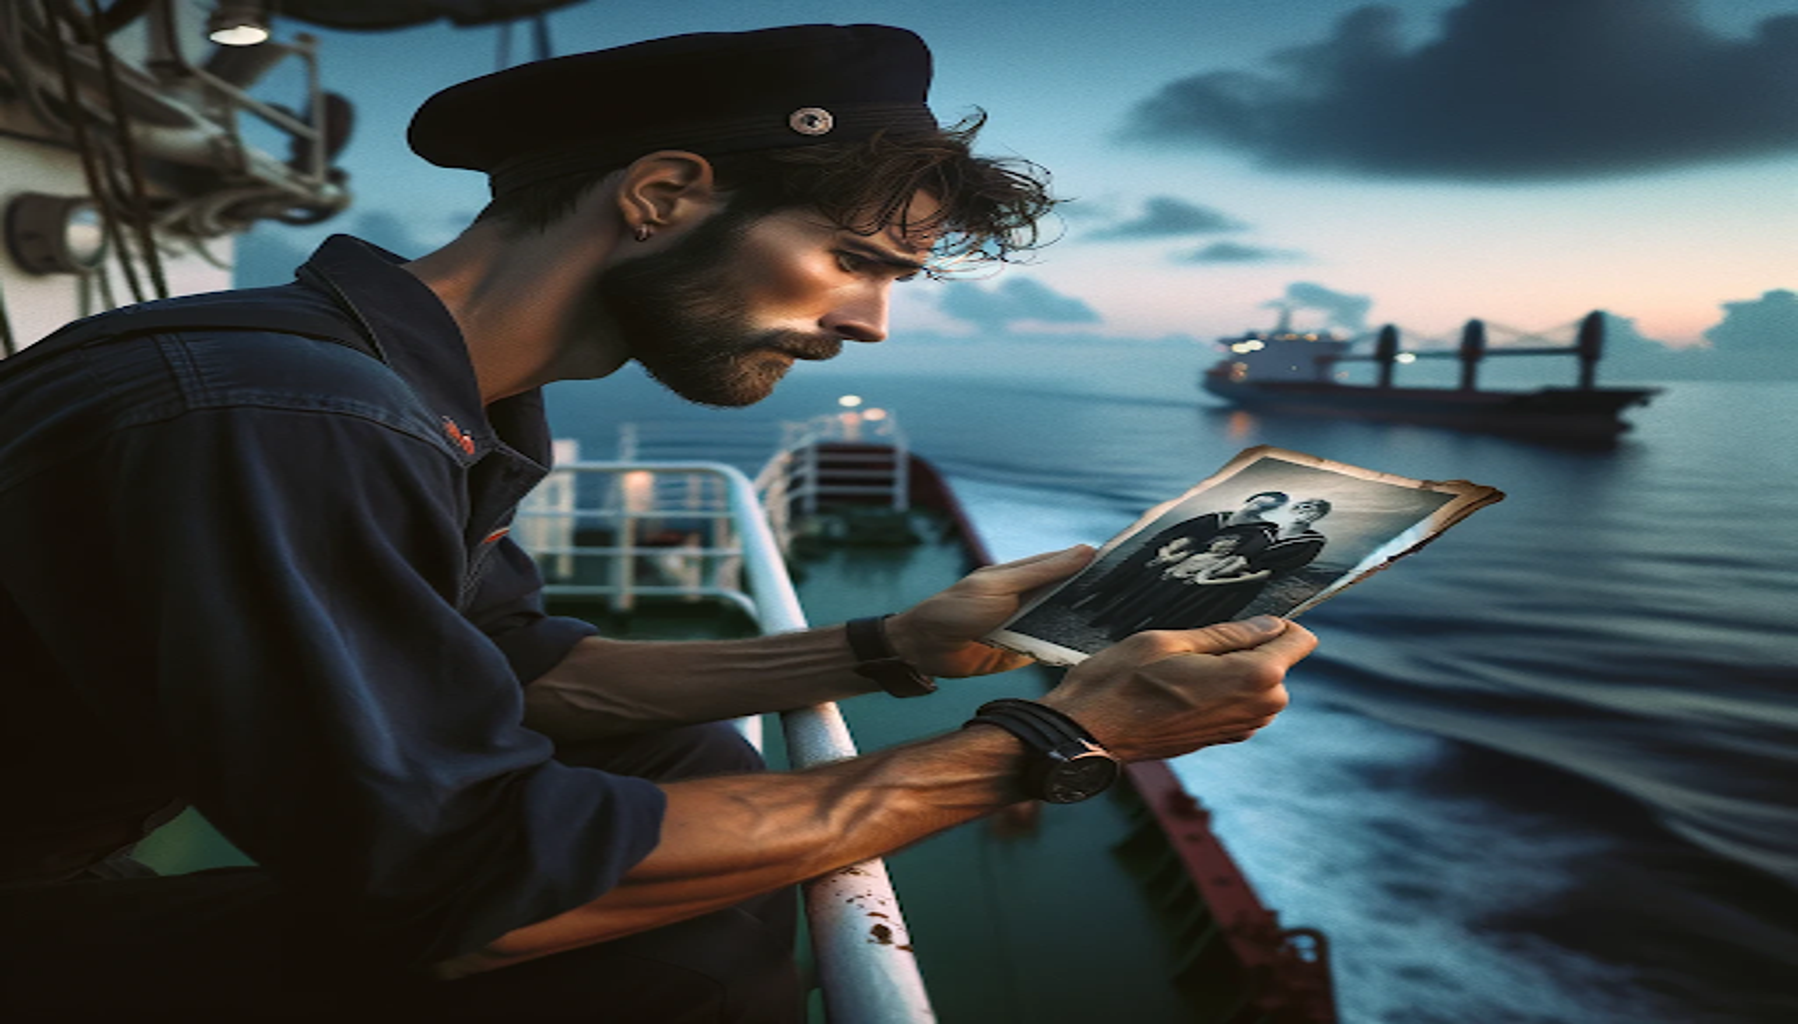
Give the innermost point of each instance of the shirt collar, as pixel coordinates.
(421, 342)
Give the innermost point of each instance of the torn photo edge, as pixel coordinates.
(1465, 497)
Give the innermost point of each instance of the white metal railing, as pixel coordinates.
(804, 474)
(866, 967)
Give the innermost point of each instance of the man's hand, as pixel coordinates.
(938, 635)
(1162, 693)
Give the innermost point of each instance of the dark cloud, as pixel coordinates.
(1168, 217)
(1237, 252)
(1018, 298)
(1509, 89)
(1763, 327)
(1757, 340)
(1340, 309)
(1630, 355)
(1622, 331)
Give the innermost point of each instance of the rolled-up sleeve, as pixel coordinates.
(296, 576)
(507, 605)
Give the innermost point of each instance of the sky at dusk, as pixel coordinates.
(1418, 162)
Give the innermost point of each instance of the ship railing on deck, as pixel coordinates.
(726, 551)
(859, 455)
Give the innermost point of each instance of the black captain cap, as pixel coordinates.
(709, 92)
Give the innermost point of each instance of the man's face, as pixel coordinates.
(1304, 513)
(1263, 503)
(720, 316)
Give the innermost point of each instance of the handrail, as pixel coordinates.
(795, 474)
(866, 966)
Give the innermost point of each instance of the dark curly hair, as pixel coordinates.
(989, 210)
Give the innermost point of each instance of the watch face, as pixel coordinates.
(1083, 775)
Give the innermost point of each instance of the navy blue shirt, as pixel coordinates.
(266, 574)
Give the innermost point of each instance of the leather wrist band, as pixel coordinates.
(1054, 726)
(1066, 763)
(1021, 726)
(879, 662)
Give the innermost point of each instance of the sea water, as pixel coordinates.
(1546, 770)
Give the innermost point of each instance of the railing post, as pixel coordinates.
(865, 962)
(901, 476)
(809, 489)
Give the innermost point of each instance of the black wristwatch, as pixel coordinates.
(879, 662)
(1066, 764)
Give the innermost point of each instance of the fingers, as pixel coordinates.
(1083, 550)
(1288, 647)
(1221, 638)
(1224, 637)
(1026, 573)
(1278, 640)
(1272, 644)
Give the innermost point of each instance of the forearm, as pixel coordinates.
(727, 839)
(613, 687)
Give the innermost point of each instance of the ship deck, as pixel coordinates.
(1025, 917)
(1071, 912)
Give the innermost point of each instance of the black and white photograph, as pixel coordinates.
(1273, 533)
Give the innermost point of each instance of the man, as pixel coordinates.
(1139, 568)
(1219, 561)
(290, 508)
(1280, 549)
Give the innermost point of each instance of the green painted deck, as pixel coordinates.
(1026, 918)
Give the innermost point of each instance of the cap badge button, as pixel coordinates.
(811, 121)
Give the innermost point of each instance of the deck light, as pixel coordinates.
(875, 415)
(55, 234)
(1405, 357)
(237, 23)
(849, 401)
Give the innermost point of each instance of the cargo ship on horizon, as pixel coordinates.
(1288, 371)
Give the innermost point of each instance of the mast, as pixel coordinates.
(1590, 348)
(1386, 352)
(1473, 349)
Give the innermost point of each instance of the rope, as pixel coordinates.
(7, 345)
(540, 34)
(12, 56)
(1546, 335)
(134, 171)
(90, 159)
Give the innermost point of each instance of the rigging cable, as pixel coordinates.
(540, 33)
(7, 345)
(90, 163)
(120, 14)
(134, 171)
(17, 65)
(1546, 335)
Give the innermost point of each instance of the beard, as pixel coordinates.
(682, 318)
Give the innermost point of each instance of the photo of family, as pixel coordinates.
(1273, 533)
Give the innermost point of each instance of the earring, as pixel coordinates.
(643, 232)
